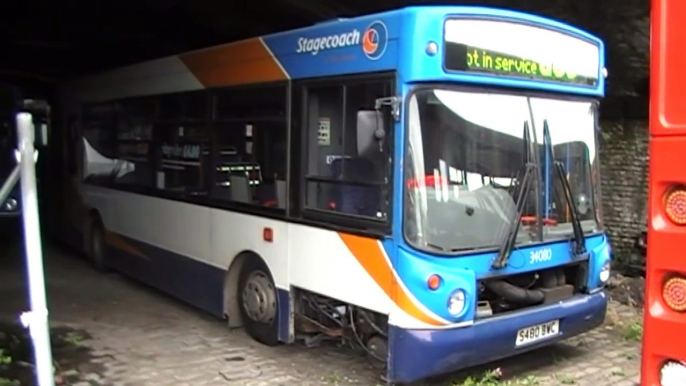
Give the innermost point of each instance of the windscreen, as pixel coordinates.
(465, 157)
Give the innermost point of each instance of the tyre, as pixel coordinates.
(97, 246)
(258, 302)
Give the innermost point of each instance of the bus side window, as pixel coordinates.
(181, 149)
(99, 143)
(338, 178)
(134, 120)
(250, 128)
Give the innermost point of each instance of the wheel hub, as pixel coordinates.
(259, 298)
(378, 351)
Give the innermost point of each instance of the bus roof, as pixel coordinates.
(365, 44)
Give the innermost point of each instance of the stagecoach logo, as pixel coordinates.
(373, 41)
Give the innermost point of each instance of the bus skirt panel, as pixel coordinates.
(418, 354)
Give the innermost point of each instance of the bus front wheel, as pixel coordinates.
(258, 301)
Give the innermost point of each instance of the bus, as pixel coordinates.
(420, 183)
(664, 343)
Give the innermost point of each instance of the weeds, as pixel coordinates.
(495, 378)
(333, 378)
(489, 378)
(633, 332)
(8, 382)
(73, 338)
(5, 359)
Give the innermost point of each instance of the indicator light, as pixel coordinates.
(434, 282)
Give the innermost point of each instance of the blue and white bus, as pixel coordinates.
(422, 183)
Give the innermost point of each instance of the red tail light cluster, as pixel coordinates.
(674, 293)
(675, 205)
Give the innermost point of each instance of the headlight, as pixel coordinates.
(11, 204)
(604, 272)
(673, 374)
(457, 302)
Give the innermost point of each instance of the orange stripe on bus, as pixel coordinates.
(368, 252)
(118, 242)
(243, 62)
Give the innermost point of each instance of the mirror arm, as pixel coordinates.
(41, 114)
(393, 102)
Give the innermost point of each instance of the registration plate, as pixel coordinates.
(538, 332)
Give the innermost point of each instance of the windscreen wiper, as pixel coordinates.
(522, 194)
(579, 236)
(561, 173)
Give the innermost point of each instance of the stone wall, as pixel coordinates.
(624, 181)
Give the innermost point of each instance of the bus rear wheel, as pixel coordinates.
(97, 247)
(258, 302)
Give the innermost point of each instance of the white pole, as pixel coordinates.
(37, 319)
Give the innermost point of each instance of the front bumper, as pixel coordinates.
(419, 354)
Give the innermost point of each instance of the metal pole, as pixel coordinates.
(37, 319)
(9, 183)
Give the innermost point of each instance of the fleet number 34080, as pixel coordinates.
(540, 255)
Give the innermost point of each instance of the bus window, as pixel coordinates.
(185, 107)
(98, 142)
(183, 151)
(135, 121)
(250, 128)
(338, 178)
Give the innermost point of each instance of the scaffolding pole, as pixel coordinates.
(35, 320)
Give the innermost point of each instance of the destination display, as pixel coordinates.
(520, 51)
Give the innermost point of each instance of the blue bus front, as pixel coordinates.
(497, 220)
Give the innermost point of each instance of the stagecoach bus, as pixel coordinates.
(420, 183)
(664, 341)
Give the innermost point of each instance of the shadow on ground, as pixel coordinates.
(72, 360)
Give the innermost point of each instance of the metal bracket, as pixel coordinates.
(29, 318)
(393, 102)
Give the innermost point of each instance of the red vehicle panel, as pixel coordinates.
(664, 340)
